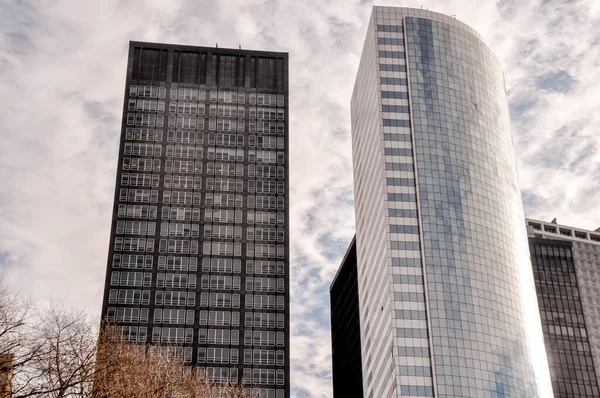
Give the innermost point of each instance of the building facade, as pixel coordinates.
(345, 329)
(566, 264)
(446, 295)
(198, 261)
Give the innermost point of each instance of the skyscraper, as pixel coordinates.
(345, 329)
(446, 295)
(566, 265)
(199, 248)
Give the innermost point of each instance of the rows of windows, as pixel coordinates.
(175, 263)
(143, 134)
(395, 108)
(173, 316)
(132, 279)
(399, 166)
(135, 228)
(397, 137)
(132, 261)
(147, 91)
(172, 335)
(191, 167)
(393, 81)
(404, 213)
(264, 338)
(390, 28)
(390, 42)
(265, 127)
(219, 300)
(181, 281)
(404, 229)
(142, 149)
(214, 248)
(391, 54)
(264, 357)
(396, 123)
(188, 119)
(189, 198)
(175, 298)
(192, 94)
(264, 302)
(406, 262)
(141, 164)
(218, 355)
(401, 197)
(146, 105)
(133, 333)
(144, 122)
(398, 151)
(400, 182)
(218, 336)
(127, 315)
(265, 284)
(264, 320)
(394, 94)
(129, 296)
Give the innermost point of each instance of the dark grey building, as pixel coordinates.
(566, 265)
(345, 329)
(199, 248)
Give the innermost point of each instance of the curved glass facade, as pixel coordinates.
(469, 197)
(447, 300)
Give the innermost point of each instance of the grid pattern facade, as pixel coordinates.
(563, 321)
(345, 329)
(447, 300)
(586, 258)
(198, 261)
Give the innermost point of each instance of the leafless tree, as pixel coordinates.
(57, 353)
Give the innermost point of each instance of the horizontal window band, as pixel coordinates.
(411, 333)
(404, 229)
(406, 262)
(391, 54)
(397, 81)
(399, 166)
(401, 197)
(396, 123)
(422, 352)
(396, 137)
(408, 279)
(395, 108)
(417, 391)
(401, 245)
(400, 182)
(398, 151)
(394, 94)
(390, 28)
(390, 41)
(410, 297)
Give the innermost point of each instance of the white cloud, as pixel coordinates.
(62, 68)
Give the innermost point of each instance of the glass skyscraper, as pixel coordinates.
(198, 261)
(566, 265)
(446, 294)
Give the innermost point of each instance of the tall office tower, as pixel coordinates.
(566, 265)
(199, 248)
(345, 329)
(446, 295)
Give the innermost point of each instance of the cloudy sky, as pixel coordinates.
(62, 74)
